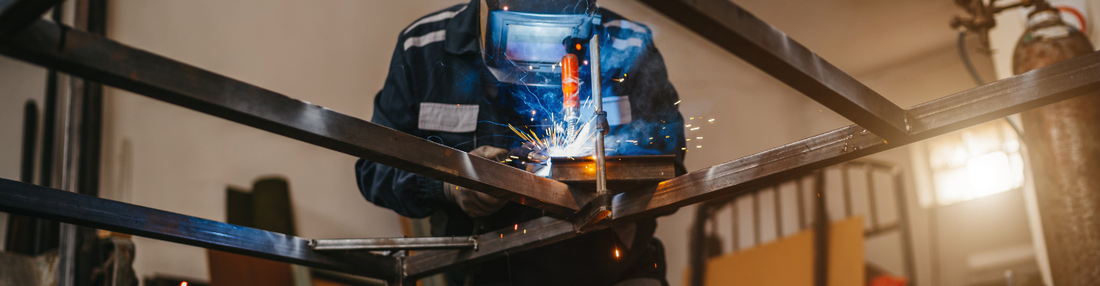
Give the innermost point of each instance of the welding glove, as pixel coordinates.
(474, 203)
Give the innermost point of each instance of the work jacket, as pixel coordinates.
(437, 82)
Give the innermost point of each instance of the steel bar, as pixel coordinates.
(15, 15)
(394, 243)
(623, 172)
(67, 207)
(995, 100)
(758, 43)
(531, 234)
(100, 59)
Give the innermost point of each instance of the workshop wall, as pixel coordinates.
(19, 82)
(167, 157)
(335, 55)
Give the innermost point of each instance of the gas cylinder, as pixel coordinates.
(1063, 142)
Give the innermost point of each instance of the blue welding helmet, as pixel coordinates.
(524, 40)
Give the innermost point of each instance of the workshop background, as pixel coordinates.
(334, 53)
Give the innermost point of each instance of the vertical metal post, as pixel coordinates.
(903, 219)
(66, 269)
(846, 189)
(871, 208)
(801, 204)
(755, 219)
(821, 232)
(778, 214)
(601, 167)
(736, 226)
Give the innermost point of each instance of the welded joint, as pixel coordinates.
(597, 210)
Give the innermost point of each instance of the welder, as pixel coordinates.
(467, 75)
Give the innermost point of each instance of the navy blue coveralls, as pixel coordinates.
(437, 61)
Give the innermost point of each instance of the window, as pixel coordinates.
(973, 162)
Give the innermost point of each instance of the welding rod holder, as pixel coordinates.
(600, 206)
(394, 243)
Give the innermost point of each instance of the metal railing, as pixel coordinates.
(703, 243)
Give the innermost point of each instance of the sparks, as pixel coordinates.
(616, 253)
(516, 227)
(695, 128)
(677, 102)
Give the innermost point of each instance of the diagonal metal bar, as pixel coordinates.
(758, 43)
(15, 15)
(528, 235)
(1036, 88)
(67, 207)
(112, 63)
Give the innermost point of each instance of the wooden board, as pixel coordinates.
(789, 261)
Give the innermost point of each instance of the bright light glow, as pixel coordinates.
(975, 162)
(184, 283)
(616, 253)
(989, 174)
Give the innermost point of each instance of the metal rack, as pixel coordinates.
(880, 125)
(703, 249)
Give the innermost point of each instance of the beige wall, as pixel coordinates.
(167, 157)
(19, 82)
(334, 53)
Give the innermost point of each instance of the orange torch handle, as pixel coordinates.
(570, 81)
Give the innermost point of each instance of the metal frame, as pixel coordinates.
(881, 126)
(706, 211)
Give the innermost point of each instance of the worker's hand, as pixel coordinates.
(491, 153)
(474, 203)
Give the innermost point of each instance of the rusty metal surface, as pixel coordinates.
(623, 172)
(109, 62)
(1063, 142)
(769, 49)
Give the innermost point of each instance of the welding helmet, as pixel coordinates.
(523, 41)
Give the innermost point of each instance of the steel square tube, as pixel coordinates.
(758, 43)
(32, 200)
(624, 173)
(1033, 89)
(96, 58)
(15, 15)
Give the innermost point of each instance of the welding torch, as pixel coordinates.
(570, 86)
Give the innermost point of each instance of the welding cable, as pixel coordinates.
(1076, 14)
(961, 45)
